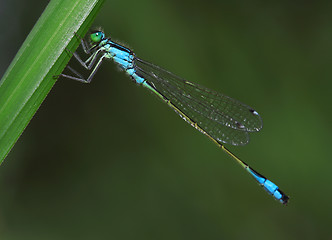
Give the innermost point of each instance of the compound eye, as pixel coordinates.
(97, 36)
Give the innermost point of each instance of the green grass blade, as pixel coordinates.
(29, 77)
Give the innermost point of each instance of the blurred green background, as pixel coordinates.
(110, 161)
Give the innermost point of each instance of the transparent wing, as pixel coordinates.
(223, 118)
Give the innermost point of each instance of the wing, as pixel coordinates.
(223, 118)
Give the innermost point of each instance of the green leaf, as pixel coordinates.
(30, 76)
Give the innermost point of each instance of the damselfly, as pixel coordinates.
(220, 118)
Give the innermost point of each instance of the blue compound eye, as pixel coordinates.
(97, 36)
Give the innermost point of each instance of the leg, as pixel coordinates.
(79, 77)
(89, 62)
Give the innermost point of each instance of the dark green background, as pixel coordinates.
(110, 161)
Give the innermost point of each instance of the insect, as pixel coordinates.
(222, 119)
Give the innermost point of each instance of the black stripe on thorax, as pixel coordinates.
(120, 47)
